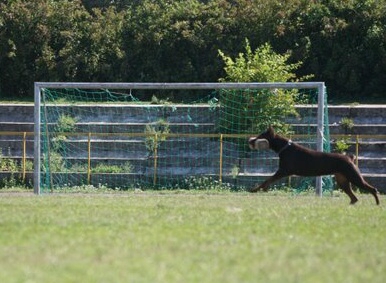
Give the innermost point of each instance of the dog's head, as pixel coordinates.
(262, 141)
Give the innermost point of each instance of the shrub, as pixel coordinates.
(156, 133)
(256, 110)
(341, 145)
(347, 124)
(114, 169)
(7, 164)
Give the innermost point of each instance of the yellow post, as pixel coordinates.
(89, 159)
(221, 144)
(357, 150)
(155, 159)
(24, 154)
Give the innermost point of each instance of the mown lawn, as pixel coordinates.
(191, 237)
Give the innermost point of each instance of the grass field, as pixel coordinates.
(191, 237)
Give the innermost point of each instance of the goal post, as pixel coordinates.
(50, 140)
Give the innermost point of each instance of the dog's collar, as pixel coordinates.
(285, 147)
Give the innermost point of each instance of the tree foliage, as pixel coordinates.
(342, 42)
(263, 65)
(254, 111)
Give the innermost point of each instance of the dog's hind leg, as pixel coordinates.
(366, 186)
(264, 186)
(373, 191)
(354, 177)
(345, 185)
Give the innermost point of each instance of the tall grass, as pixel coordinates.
(190, 237)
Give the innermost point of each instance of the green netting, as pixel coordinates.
(116, 140)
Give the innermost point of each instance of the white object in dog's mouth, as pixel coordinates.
(260, 144)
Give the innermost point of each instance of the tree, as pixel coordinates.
(22, 36)
(254, 111)
(263, 65)
(47, 40)
(341, 42)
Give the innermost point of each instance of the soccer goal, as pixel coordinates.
(132, 135)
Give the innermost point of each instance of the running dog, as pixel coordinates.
(295, 159)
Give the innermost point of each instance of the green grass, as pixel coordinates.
(190, 237)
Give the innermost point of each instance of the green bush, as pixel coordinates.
(65, 124)
(347, 124)
(254, 111)
(7, 164)
(341, 42)
(155, 134)
(114, 169)
(53, 162)
(11, 166)
(202, 183)
(342, 145)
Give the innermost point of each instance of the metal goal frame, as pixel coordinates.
(39, 86)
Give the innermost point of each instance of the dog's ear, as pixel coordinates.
(271, 131)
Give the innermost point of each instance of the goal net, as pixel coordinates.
(129, 136)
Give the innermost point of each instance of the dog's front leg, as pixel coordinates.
(264, 186)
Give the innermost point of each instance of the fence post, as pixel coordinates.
(155, 159)
(357, 150)
(221, 150)
(89, 159)
(24, 154)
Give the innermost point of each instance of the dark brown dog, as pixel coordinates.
(295, 159)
